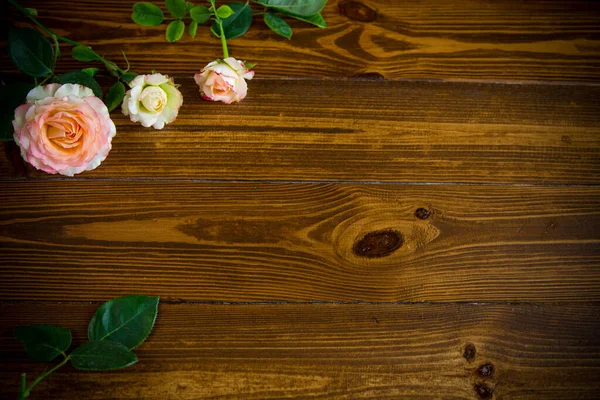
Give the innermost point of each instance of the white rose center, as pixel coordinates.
(154, 99)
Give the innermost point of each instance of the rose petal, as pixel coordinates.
(134, 95)
(42, 92)
(156, 79)
(137, 81)
(20, 113)
(70, 89)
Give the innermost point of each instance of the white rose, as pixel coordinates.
(153, 100)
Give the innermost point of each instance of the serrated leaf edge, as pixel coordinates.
(151, 327)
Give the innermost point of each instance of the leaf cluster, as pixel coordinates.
(117, 327)
(236, 17)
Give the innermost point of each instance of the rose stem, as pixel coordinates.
(45, 374)
(223, 40)
(109, 65)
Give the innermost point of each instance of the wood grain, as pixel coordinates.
(365, 131)
(414, 351)
(440, 39)
(406, 206)
(87, 241)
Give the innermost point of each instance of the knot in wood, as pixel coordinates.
(484, 391)
(486, 370)
(422, 213)
(378, 244)
(357, 11)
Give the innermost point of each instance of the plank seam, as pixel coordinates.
(295, 182)
(531, 82)
(291, 303)
(381, 78)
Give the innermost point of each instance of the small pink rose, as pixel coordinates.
(63, 129)
(224, 80)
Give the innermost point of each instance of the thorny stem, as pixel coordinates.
(112, 67)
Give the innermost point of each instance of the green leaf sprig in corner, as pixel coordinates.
(36, 52)
(118, 327)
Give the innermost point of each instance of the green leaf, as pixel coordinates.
(237, 24)
(90, 71)
(11, 97)
(249, 65)
(81, 78)
(177, 8)
(278, 25)
(303, 8)
(32, 11)
(175, 31)
(200, 14)
(115, 95)
(84, 53)
(193, 28)
(128, 76)
(102, 356)
(316, 19)
(127, 320)
(224, 12)
(147, 14)
(44, 342)
(30, 51)
(189, 5)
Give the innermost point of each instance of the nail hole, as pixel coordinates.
(470, 352)
(483, 391)
(486, 370)
(422, 213)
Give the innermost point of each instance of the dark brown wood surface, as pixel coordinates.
(440, 39)
(416, 351)
(365, 131)
(405, 206)
(191, 241)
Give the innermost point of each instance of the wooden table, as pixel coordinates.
(461, 138)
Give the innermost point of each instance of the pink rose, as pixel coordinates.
(224, 80)
(63, 129)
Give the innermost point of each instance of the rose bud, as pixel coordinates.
(224, 80)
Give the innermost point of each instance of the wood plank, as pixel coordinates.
(441, 39)
(365, 131)
(185, 241)
(410, 351)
